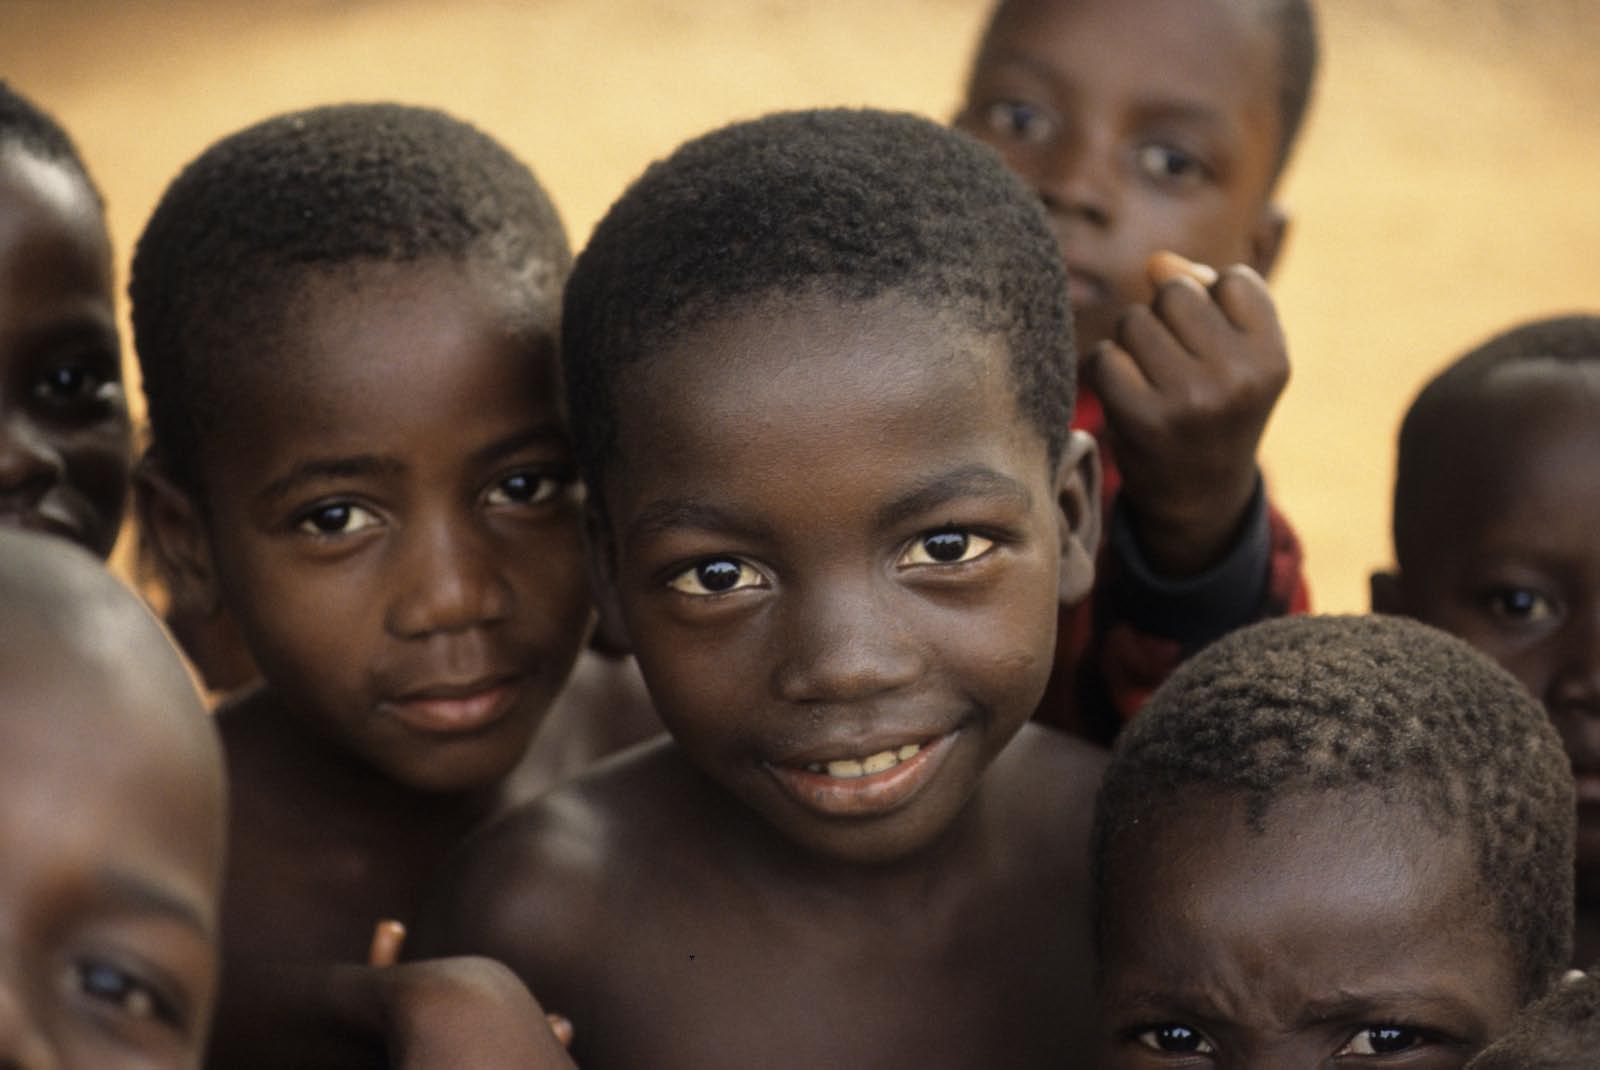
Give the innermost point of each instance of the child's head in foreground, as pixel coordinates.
(1331, 837)
(346, 319)
(1560, 1032)
(64, 438)
(111, 824)
(1146, 125)
(1496, 510)
(820, 375)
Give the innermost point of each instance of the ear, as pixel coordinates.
(1388, 593)
(173, 530)
(1266, 239)
(610, 633)
(1078, 504)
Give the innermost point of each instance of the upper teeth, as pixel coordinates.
(850, 768)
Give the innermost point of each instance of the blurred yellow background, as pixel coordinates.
(1445, 188)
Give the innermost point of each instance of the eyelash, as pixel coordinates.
(126, 993)
(547, 486)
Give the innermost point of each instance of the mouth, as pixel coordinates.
(865, 785)
(454, 709)
(1086, 289)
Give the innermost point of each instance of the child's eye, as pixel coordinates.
(75, 383)
(124, 993)
(717, 575)
(1176, 1039)
(1020, 121)
(1383, 1040)
(525, 488)
(335, 518)
(1168, 164)
(1521, 604)
(945, 548)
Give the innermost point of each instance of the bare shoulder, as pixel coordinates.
(540, 887)
(1051, 781)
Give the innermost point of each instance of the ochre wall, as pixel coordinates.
(1446, 186)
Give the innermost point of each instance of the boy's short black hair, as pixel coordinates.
(28, 126)
(1560, 1032)
(1430, 434)
(249, 221)
(846, 204)
(1382, 703)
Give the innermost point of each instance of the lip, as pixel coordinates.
(1085, 288)
(866, 796)
(455, 708)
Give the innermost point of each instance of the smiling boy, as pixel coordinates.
(1149, 126)
(1496, 510)
(820, 369)
(1329, 839)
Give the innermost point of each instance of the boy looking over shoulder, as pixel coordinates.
(1496, 510)
(1150, 127)
(820, 372)
(1326, 841)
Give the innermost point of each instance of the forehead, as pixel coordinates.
(52, 239)
(1339, 893)
(1214, 54)
(378, 353)
(815, 388)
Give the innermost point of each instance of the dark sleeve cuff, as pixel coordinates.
(1196, 609)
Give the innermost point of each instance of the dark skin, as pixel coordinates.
(1149, 126)
(1348, 931)
(110, 890)
(394, 524)
(65, 449)
(839, 550)
(1501, 551)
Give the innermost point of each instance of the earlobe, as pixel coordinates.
(1266, 240)
(1078, 513)
(173, 532)
(1388, 593)
(610, 632)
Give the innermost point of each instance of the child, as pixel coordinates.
(819, 368)
(64, 439)
(346, 320)
(111, 824)
(1330, 837)
(1560, 1032)
(1496, 509)
(1147, 126)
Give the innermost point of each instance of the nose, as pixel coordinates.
(447, 578)
(29, 466)
(1075, 176)
(844, 644)
(1576, 683)
(22, 1045)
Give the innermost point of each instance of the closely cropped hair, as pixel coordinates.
(1381, 703)
(26, 125)
(1295, 24)
(242, 228)
(847, 205)
(1433, 425)
(1560, 1032)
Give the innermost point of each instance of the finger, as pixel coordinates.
(561, 1026)
(1164, 266)
(1124, 389)
(1190, 313)
(387, 938)
(1244, 299)
(1154, 347)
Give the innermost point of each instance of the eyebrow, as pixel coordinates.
(971, 481)
(669, 514)
(371, 465)
(127, 889)
(1352, 1005)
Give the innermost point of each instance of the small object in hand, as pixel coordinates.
(387, 939)
(561, 1026)
(1163, 267)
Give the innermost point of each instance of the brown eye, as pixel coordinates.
(1017, 120)
(945, 548)
(716, 575)
(1523, 605)
(335, 518)
(1176, 1039)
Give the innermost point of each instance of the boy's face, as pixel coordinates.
(1337, 935)
(65, 450)
(1144, 125)
(111, 835)
(838, 547)
(393, 520)
(1506, 554)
